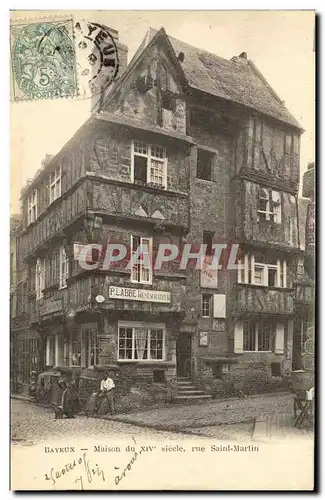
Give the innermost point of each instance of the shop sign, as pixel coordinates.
(117, 292)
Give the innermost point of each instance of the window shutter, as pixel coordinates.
(219, 306)
(238, 337)
(279, 338)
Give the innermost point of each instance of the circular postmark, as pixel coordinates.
(97, 57)
(43, 60)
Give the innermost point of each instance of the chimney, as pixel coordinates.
(243, 55)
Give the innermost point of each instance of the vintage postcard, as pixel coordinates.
(162, 239)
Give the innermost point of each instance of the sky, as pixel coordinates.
(280, 43)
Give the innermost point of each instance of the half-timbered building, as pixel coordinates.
(185, 147)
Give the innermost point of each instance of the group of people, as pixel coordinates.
(70, 397)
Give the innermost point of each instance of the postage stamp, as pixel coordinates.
(68, 58)
(43, 60)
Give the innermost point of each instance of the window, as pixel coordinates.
(75, 348)
(55, 184)
(269, 205)
(261, 271)
(206, 305)
(40, 277)
(204, 164)
(208, 240)
(258, 336)
(149, 164)
(169, 102)
(50, 350)
(64, 268)
(141, 342)
(91, 348)
(32, 207)
(141, 259)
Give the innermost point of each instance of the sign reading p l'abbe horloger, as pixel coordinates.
(117, 292)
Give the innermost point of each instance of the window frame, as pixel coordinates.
(209, 302)
(133, 325)
(142, 269)
(246, 275)
(258, 328)
(56, 175)
(63, 261)
(32, 206)
(163, 160)
(40, 274)
(273, 212)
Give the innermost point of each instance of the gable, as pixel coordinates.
(152, 92)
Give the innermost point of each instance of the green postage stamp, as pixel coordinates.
(61, 58)
(43, 60)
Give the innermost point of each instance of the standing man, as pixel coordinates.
(106, 391)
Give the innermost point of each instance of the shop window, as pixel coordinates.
(204, 164)
(258, 336)
(50, 350)
(75, 348)
(140, 343)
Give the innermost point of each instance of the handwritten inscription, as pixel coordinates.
(89, 471)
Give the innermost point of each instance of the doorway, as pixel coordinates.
(184, 355)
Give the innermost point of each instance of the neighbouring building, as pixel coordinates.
(185, 147)
(305, 280)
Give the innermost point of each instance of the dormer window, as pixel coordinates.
(55, 184)
(32, 207)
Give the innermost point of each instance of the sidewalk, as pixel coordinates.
(183, 418)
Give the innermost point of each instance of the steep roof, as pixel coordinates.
(237, 80)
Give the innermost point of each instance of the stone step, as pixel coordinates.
(185, 387)
(194, 391)
(193, 398)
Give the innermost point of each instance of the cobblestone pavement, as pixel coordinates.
(215, 413)
(32, 424)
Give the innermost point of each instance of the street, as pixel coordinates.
(32, 424)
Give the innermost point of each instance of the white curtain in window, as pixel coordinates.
(140, 337)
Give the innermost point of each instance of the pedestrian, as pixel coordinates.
(107, 389)
(69, 401)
